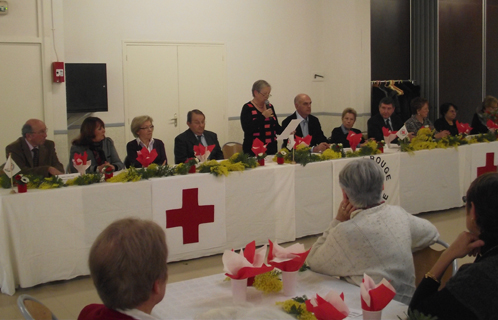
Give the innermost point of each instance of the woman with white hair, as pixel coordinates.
(370, 236)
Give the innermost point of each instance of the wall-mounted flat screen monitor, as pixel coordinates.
(86, 87)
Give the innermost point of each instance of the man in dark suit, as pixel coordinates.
(384, 119)
(195, 135)
(310, 125)
(33, 153)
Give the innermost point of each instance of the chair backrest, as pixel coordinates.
(230, 148)
(424, 259)
(33, 309)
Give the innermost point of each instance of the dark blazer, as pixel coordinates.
(185, 142)
(111, 156)
(441, 124)
(133, 147)
(314, 128)
(24, 159)
(339, 137)
(376, 123)
(477, 126)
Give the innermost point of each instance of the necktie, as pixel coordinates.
(36, 157)
(388, 123)
(305, 128)
(199, 138)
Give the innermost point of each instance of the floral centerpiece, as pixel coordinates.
(108, 172)
(259, 149)
(281, 155)
(371, 147)
(297, 307)
(423, 141)
(86, 179)
(22, 183)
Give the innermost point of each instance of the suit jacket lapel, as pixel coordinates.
(27, 152)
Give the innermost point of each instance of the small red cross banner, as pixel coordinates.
(490, 164)
(190, 216)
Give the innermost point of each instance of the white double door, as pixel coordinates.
(165, 81)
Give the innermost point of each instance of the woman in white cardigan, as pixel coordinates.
(369, 236)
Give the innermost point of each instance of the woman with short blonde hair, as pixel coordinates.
(142, 129)
(340, 134)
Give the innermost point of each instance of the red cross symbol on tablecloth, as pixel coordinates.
(490, 164)
(190, 216)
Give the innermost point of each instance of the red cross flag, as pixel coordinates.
(192, 212)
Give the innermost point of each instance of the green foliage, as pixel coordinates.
(245, 159)
(86, 179)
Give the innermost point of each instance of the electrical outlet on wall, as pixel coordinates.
(4, 7)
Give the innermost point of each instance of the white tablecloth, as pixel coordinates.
(45, 235)
(193, 298)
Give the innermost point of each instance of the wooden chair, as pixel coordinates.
(230, 148)
(33, 309)
(425, 259)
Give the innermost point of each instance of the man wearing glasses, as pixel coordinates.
(33, 153)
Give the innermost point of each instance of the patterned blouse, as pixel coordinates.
(255, 125)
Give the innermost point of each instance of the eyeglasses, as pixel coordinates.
(267, 95)
(149, 127)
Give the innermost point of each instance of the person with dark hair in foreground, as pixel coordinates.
(128, 267)
(471, 293)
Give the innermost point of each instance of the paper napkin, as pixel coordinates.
(375, 297)
(389, 135)
(463, 127)
(330, 308)
(249, 262)
(145, 157)
(305, 141)
(202, 153)
(81, 163)
(354, 139)
(287, 259)
(258, 147)
(491, 125)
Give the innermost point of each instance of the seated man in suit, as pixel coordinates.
(385, 118)
(310, 124)
(195, 135)
(128, 267)
(33, 153)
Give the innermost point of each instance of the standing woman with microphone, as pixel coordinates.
(259, 120)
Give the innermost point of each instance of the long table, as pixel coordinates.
(45, 235)
(211, 298)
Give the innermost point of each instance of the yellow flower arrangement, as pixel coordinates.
(423, 141)
(330, 154)
(296, 308)
(268, 282)
(130, 175)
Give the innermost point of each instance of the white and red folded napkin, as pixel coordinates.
(288, 259)
(389, 136)
(81, 163)
(202, 153)
(302, 141)
(375, 297)
(464, 127)
(247, 263)
(354, 139)
(332, 307)
(145, 157)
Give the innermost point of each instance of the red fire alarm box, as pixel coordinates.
(58, 71)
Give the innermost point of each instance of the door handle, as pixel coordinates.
(174, 120)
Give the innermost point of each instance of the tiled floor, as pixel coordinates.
(67, 298)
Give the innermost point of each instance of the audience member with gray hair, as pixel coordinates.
(369, 236)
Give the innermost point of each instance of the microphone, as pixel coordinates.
(267, 103)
